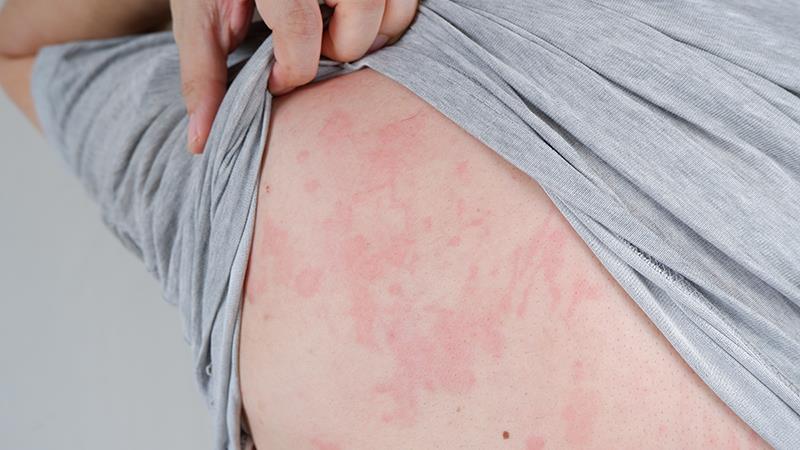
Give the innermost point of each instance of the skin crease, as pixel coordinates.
(408, 288)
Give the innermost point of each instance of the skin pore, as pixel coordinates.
(408, 288)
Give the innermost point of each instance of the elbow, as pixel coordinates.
(17, 55)
(15, 73)
(7, 28)
(5, 71)
(15, 81)
(18, 38)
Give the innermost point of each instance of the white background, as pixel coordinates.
(92, 357)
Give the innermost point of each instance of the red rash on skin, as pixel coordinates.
(307, 282)
(320, 444)
(551, 266)
(338, 127)
(364, 310)
(302, 156)
(462, 170)
(363, 268)
(444, 340)
(534, 443)
(578, 371)
(525, 255)
(341, 219)
(581, 409)
(435, 347)
(440, 358)
(402, 130)
(580, 415)
(473, 222)
(552, 240)
(365, 261)
(427, 223)
(311, 185)
(549, 240)
(582, 290)
(273, 243)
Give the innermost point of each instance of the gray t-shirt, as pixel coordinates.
(667, 133)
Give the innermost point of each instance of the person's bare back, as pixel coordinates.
(409, 289)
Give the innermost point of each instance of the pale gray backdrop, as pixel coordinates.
(92, 357)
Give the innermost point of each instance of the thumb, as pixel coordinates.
(203, 78)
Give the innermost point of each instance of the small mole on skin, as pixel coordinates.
(505, 435)
(266, 188)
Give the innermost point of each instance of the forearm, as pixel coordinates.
(15, 77)
(28, 25)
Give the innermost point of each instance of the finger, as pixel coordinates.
(352, 28)
(397, 17)
(203, 78)
(239, 14)
(203, 74)
(296, 35)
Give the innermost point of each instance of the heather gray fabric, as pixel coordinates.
(668, 133)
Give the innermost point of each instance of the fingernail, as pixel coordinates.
(194, 135)
(380, 41)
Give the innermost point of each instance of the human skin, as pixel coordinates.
(409, 289)
(207, 30)
(28, 25)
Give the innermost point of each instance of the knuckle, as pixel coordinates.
(300, 75)
(343, 51)
(196, 20)
(347, 54)
(405, 8)
(302, 22)
(367, 5)
(190, 88)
